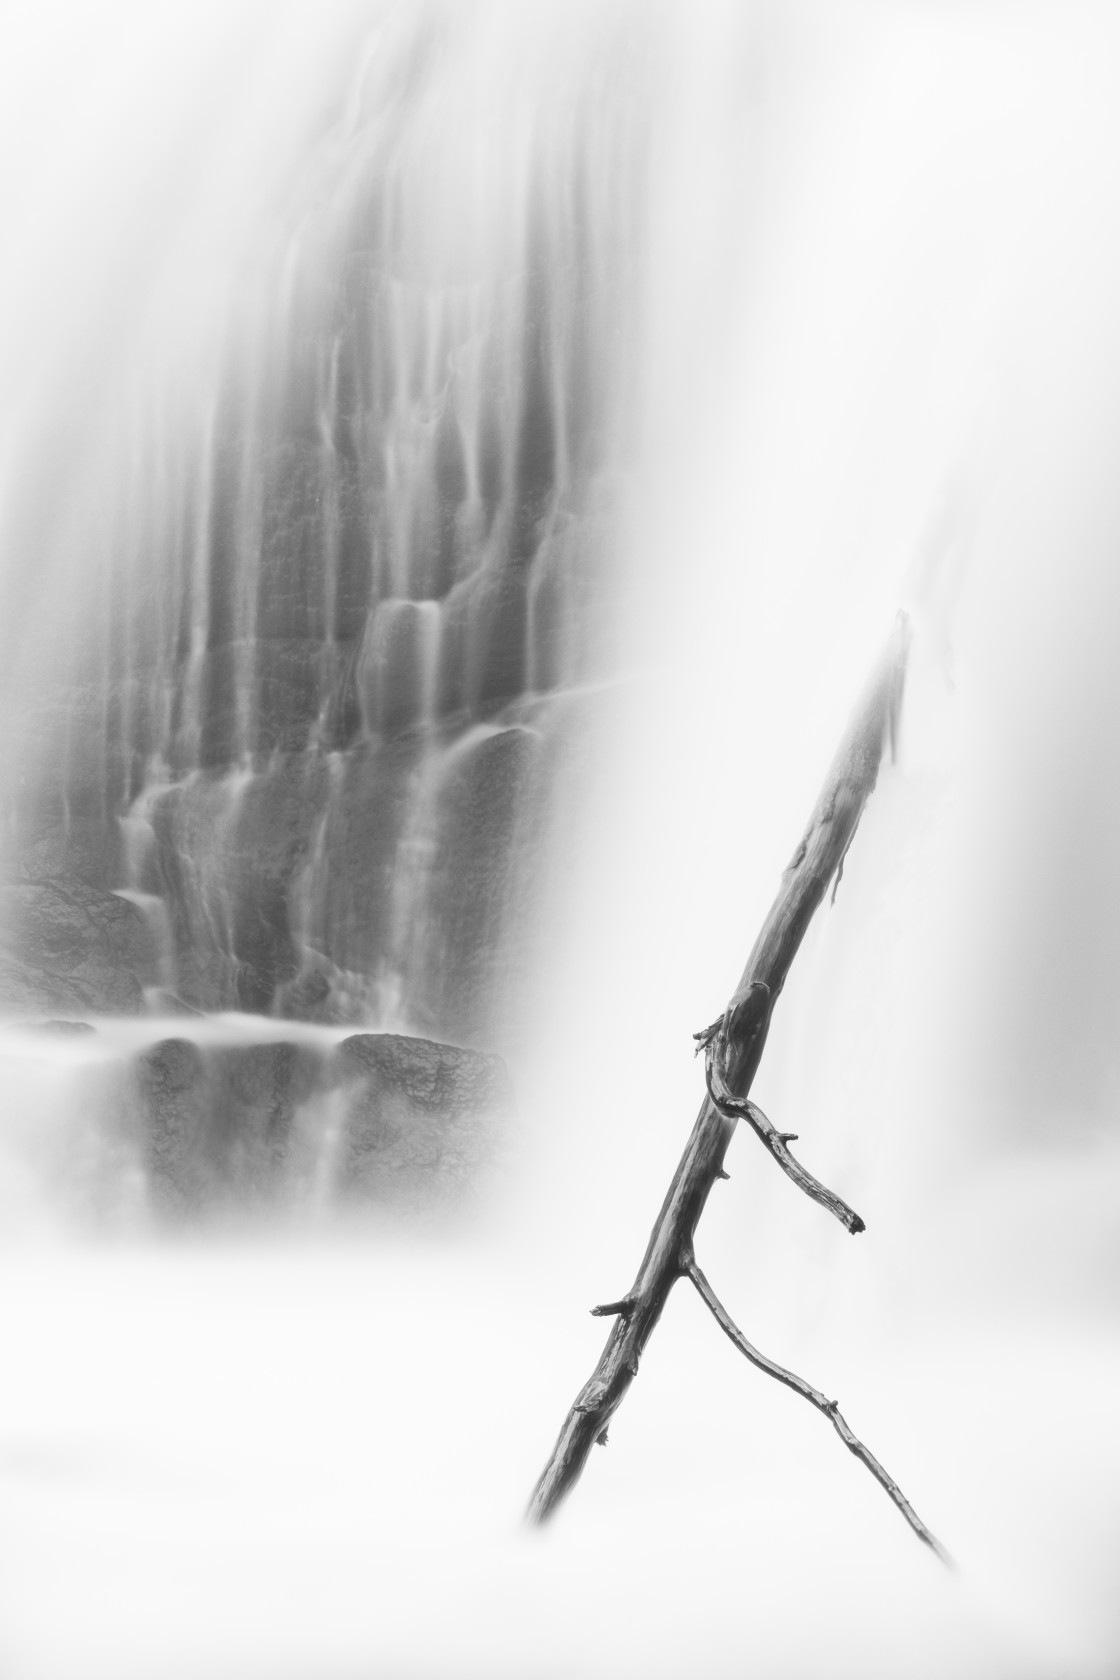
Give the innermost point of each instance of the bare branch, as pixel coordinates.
(775, 1142)
(830, 1408)
(740, 1034)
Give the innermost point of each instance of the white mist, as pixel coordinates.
(885, 270)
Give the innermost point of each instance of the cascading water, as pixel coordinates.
(439, 552)
(346, 577)
(339, 555)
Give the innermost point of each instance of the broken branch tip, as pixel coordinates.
(612, 1309)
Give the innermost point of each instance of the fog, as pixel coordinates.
(878, 365)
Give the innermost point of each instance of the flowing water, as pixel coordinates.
(339, 542)
(459, 463)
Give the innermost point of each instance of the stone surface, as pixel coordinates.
(389, 527)
(228, 855)
(216, 1122)
(343, 894)
(172, 1089)
(419, 1116)
(483, 857)
(70, 946)
(400, 877)
(381, 1119)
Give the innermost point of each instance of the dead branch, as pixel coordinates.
(830, 1408)
(733, 1047)
(775, 1142)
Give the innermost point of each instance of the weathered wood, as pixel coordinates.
(830, 1408)
(733, 1048)
(776, 1141)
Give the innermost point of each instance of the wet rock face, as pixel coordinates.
(72, 946)
(492, 809)
(417, 1115)
(217, 1123)
(330, 589)
(227, 856)
(381, 1120)
(398, 880)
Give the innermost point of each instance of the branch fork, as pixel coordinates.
(775, 1141)
(733, 1048)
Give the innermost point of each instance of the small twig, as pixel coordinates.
(741, 1109)
(611, 1309)
(830, 1408)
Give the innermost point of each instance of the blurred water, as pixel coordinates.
(308, 598)
(880, 360)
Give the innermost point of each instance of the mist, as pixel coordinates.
(869, 360)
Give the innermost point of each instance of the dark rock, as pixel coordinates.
(308, 994)
(238, 844)
(292, 605)
(63, 1029)
(350, 922)
(484, 642)
(439, 1078)
(394, 666)
(172, 1084)
(84, 850)
(294, 680)
(420, 1116)
(473, 895)
(217, 1122)
(497, 651)
(322, 993)
(380, 1119)
(70, 946)
(256, 1090)
(273, 688)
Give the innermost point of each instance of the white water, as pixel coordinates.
(887, 268)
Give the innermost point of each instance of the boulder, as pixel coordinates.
(216, 1122)
(419, 1119)
(73, 947)
(175, 1122)
(379, 1119)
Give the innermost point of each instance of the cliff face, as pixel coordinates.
(345, 581)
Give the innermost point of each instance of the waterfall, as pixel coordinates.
(458, 462)
(344, 555)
